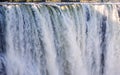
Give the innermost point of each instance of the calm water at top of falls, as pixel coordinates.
(75, 39)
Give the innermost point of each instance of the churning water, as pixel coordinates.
(78, 39)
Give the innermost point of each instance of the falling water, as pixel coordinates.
(75, 39)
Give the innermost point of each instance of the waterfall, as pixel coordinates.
(75, 39)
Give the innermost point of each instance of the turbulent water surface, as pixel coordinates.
(79, 39)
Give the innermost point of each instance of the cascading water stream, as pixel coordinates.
(75, 39)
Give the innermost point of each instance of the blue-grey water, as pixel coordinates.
(75, 39)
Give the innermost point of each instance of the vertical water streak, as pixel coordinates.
(2, 41)
(113, 53)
